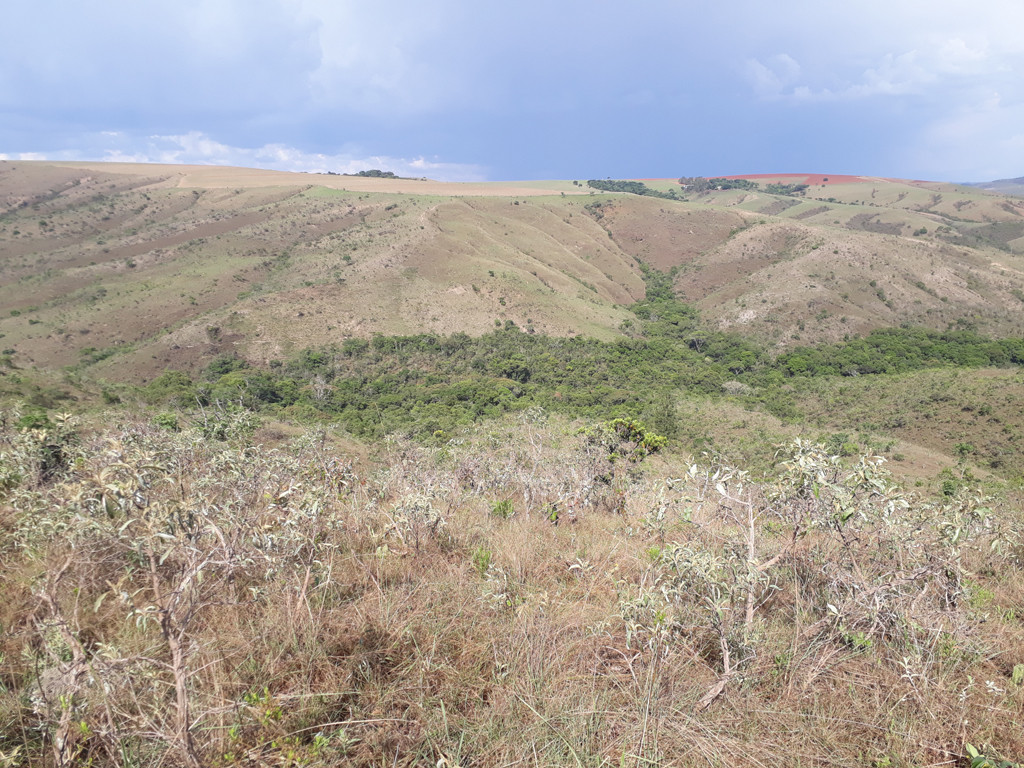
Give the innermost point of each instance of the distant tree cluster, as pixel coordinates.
(898, 350)
(375, 173)
(695, 184)
(700, 184)
(785, 189)
(632, 187)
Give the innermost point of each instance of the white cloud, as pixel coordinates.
(23, 156)
(877, 48)
(948, 65)
(980, 141)
(196, 148)
(770, 79)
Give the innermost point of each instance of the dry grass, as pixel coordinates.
(510, 598)
(143, 260)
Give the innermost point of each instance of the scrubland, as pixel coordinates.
(302, 470)
(531, 592)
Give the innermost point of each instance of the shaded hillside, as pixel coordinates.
(1003, 186)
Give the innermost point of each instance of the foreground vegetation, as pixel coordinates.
(530, 592)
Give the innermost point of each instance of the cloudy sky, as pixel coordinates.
(461, 90)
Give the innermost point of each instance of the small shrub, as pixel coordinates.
(168, 421)
(482, 560)
(503, 509)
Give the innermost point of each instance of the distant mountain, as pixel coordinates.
(1002, 186)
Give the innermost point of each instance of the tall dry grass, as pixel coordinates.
(513, 597)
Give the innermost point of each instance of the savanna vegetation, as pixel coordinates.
(529, 592)
(632, 187)
(675, 544)
(427, 386)
(700, 184)
(376, 173)
(516, 571)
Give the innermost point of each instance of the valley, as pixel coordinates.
(312, 469)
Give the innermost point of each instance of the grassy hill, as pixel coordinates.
(143, 261)
(305, 469)
(122, 272)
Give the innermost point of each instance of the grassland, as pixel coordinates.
(517, 595)
(364, 471)
(144, 259)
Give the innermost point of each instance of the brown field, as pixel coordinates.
(815, 179)
(227, 177)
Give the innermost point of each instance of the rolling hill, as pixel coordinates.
(123, 272)
(157, 267)
(307, 469)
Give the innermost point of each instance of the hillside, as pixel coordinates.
(310, 470)
(1003, 186)
(162, 266)
(121, 273)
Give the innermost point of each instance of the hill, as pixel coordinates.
(142, 263)
(1003, 186)
(122, 272)
(314, 470)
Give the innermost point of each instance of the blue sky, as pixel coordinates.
(461, 90)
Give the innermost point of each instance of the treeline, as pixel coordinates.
(428, 384)
(375, 173)
(700, 184)
(898, 350)
(632, 187)
(785, 189)
(696, 184)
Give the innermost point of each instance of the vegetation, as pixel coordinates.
(632, 187)
(176, 599)
(785, 189)
(699, 184)
(336, 538)
(897, 350)
(427, 384)
(376, 174)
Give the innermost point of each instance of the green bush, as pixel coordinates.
(168, 421)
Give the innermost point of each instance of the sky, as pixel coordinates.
(464, 90)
